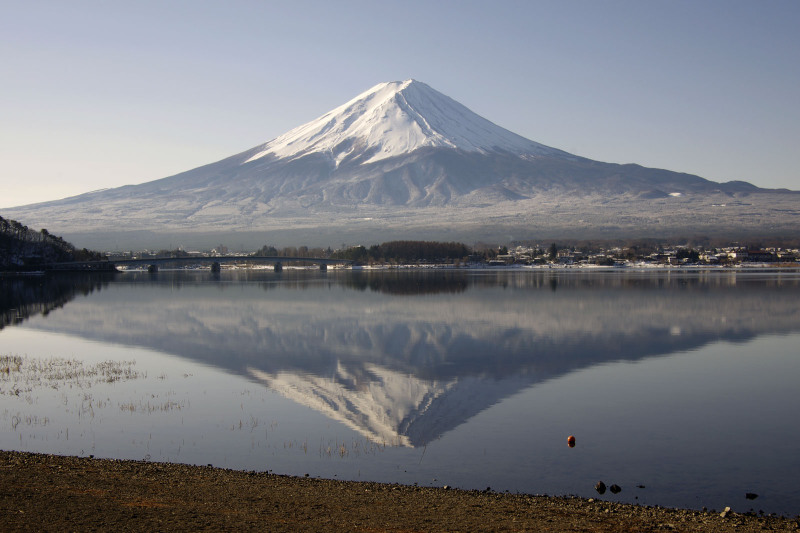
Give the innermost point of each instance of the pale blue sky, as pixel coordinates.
(98, 94)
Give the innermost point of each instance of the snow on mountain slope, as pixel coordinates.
(402, 160)
(393, 119)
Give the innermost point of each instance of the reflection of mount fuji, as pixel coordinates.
(405, 365)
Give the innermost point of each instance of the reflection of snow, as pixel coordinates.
(391, 407)
(377, 407)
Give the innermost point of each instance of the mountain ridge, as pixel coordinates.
(403, 160)
(396, 118)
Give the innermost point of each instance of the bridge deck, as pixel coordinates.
(110, 264)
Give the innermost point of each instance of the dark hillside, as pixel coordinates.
(23, 249)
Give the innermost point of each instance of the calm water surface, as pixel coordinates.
(681, 388)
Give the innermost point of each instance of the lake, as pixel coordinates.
(681, 387)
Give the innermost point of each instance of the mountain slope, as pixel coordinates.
(403, 160)
(393, 119)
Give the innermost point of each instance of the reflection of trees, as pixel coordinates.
(408, 283)
(452, 281)
(22, 297)
(398, 282)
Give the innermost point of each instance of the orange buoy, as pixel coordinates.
(571, 441)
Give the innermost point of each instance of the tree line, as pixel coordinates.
(406, 252)
(22, 248)
(292, 251)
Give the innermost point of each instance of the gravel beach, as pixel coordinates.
(52, 493)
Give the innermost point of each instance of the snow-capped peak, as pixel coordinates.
(396, 118)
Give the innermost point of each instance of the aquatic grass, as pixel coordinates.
(23, 374)
(251, 425)
(28, 420)
(10, 363)
(151, 407)
(356, 448)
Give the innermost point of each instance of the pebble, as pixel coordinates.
(600, 487)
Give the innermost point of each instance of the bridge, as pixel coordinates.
(153, 263)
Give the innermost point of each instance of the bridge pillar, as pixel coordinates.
(323, 267)
(278, 267)
(215, 267)
(152, 268)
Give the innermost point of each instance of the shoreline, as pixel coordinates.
(49, 492)
(638, 268)
(572, 269)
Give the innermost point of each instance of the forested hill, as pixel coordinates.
(406, 252)
(22, 248)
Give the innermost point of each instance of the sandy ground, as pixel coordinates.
(52, 493)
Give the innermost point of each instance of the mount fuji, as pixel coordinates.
(402, 160)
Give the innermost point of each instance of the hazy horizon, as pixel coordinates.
(104, 95)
